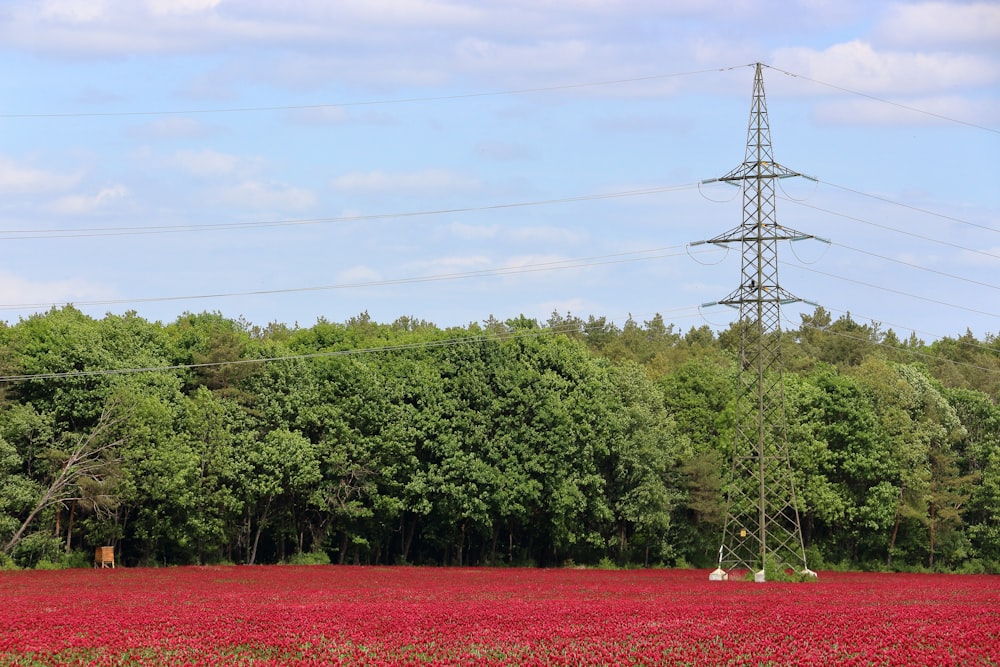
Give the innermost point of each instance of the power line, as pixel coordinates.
(911, 207)
(893, 326)
(894, 291)
(112, 231)
(293, 357)
(387, 101)
(584, 262)
(495, 337)
(34, 234)
(904, 350)
(885, 101)
(472, 95)
(25, 234)
(654, 253)
(893, 229)
(917, 266)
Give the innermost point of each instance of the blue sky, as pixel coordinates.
(450, 161)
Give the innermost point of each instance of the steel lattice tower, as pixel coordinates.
(762, 522)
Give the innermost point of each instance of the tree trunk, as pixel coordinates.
(408, 532)
(42, 504)
(892, 540)
(461, 543)
(260, 528)
(930, 528)
(69, 526)
(256, 540)
(342, 556)
(493, 545)
(895, 530)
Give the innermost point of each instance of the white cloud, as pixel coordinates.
(454, 264)
(22, 179)
(412, 12)
(987, 257)
(208, 163)
(555, 269)
(923, 25)
(16, 290)
(564, 306)
(857, 66)
(413, 182)
(73, 11)
(501, 150)
(919, 111)
(411, 42)
(270, 196)
(87, 204)
(174, 127)
(358, 275)
(329, 115)
(546, 234)
(128, 27)
(534, 261)
(474, 232)
(180, 7)
(478, 54)
(466, 262)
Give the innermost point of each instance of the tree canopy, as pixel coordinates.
(210, 440)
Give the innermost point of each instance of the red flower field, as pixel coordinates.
(323, 615)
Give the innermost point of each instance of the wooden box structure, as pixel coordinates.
(104, 557)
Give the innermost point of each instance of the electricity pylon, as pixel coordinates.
(762, 521)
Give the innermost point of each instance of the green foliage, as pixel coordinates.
(66, 561)
(497, 443)
(38, 547)
(606, 564)
(774, 571)
(309, 558)
(7, 563)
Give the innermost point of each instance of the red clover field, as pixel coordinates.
(346, 615)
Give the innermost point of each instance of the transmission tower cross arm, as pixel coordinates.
(758, 169)
(742, 235)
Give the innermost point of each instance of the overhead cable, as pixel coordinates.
(889, 102)
(584, 262)
(22, 234)
(386, 101)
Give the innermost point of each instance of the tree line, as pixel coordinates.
(210, 440)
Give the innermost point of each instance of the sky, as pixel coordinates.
(450, 161)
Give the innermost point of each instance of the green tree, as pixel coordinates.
(281, 471)
(698, 397)
(922, 429)
(209, 428)
(215, 348)
(845, 467)
(978, 461)
(81, 468)
(644, 484)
